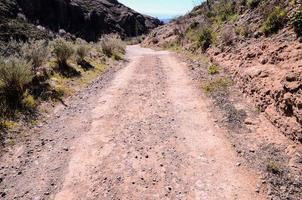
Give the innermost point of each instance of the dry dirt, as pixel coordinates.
(144, 132)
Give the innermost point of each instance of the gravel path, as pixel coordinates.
(145, 134)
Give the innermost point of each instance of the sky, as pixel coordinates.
(162, 8)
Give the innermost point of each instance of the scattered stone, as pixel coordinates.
(249, 121)
(264, 61)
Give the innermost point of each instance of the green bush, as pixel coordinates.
(205, 39)
(35, 51)
(15, 74)
(274, 22)
(297, 23)
(112, 45)
(62, 50)
(253, 3)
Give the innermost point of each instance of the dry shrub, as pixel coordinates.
(35, 51)
(112, 45)
(227, 36)
(62, 50)
(82, 50)
(12, 47)
(15, 74)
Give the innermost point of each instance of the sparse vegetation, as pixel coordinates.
(227, 36)
(205, 39)
(175, 46)
(274, 22)
(273, 167)
(113, 46)
(224, 11)
(216, 85)
(15, 74)
(62, 50)
(39, 70)
(82, 51)
(35, 51)
(7, 124)
(253, 3)
(297, 23)
(243, 31)
(213, 69)
(135, 40)
(28, 101)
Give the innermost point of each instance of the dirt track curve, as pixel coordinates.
(146, 134)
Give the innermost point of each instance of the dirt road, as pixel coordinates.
(145, 134)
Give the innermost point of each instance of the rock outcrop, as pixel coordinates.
(88, 19)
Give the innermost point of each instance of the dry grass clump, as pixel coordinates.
(35, 51)
(243, 31)
(82, 49)
(213, 69)
(273, 167)
(216, 85)
(113, 46)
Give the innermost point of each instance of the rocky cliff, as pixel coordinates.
(88, 19)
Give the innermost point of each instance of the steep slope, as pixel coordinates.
(258, 43)
(88, 19)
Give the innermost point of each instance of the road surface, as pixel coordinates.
(147, 134)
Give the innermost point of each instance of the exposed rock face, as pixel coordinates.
(88, 19)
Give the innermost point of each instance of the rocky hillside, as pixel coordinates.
(88, 19)
(257, 42)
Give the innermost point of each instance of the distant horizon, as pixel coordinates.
(160, 9)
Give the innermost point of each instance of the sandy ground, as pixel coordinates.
(146, 134)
